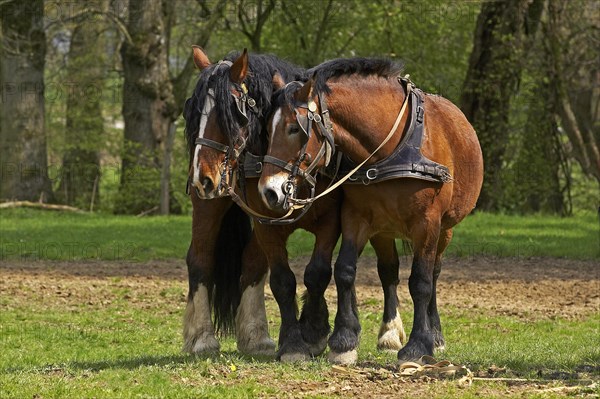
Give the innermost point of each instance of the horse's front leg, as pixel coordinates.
(420, 285)
(391, 333)
(314, 320)
(252, 330)
(198, 330)
(283, 285)
(344, 340)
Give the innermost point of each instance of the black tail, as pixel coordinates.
(233, 237)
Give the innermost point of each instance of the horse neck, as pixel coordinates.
(363, 112)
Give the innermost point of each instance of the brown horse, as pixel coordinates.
(231, 103)
(359, 105)
(226, 265)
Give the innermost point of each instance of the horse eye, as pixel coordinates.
(293, 129)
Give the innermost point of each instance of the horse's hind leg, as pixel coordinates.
(391, 333)
(252, 330)
(420, 284)
(432, 311)
(314, 320)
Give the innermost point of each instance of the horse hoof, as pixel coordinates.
(317, 348)
(294, 357)
(413, 351)
(205, 345)
(345, 358)
(264, 347)
(389, 341)
(391, 335)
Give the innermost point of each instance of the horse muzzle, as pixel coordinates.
(273, 193)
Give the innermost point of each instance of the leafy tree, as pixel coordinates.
(152, 100)
(24, 162)
(493, 79)
(84, 130)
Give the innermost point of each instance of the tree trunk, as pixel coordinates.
(24, 162)
(576, 79)
(148, 106)
(492, 79)
(165, 176)
(85, 125)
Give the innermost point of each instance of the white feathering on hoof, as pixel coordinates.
(198, 330)
(346, 358)
(391, 334)
(252, 330)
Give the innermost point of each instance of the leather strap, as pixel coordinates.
(215, 145)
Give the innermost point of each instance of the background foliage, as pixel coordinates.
(541, 167)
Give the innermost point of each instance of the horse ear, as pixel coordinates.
(278, 81)
(200, 58)
(305, 93)
(239, 69)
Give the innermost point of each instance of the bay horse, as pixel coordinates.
(358, 105)
(225, 126)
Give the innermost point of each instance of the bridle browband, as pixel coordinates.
(235, 149)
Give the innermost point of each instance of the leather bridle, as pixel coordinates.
(305, 122)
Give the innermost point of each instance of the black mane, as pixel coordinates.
(349, 66)
(259, 81)
(336, 68)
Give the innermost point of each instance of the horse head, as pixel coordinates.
(218, 116)
(300, 143)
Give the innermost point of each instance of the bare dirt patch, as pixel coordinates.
(533, 288)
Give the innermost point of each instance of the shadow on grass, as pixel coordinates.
(133, 363)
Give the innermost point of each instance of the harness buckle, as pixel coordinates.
(259, 167)
(420, 114)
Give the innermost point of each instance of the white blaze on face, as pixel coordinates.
(209, 104)
(276, 119)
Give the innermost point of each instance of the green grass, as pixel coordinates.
(50, 351)
(31, 234)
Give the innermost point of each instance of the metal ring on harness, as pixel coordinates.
(372, 174)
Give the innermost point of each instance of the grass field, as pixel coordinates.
(33, 235)
(91, 306)
(87, 330)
